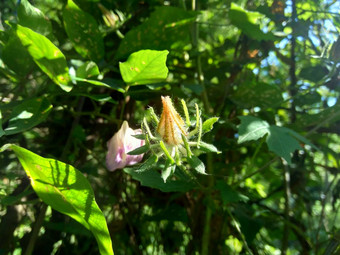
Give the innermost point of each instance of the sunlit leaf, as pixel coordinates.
(66, 190)
(145, 66)
(208, 147)
(208, 124)
(46, 55)
(167, 171)
(87, 70)
(196, 164)
(251, 128)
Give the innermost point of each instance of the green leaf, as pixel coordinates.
(253, 93)
(196, 164)
(247, 21)
(207, 147)
(308, 99)
(82, 29)
(280, 140)
(208, 124)
(87, 70)
(299, 137)
(167, 28)
(46, 55)
(147, 164)
(330, 115)
(167, 171)
(144, 66)
(250, 224)
(33, 18)
(139, 136)
(20, 65)
(28, 114)
(66, 190)
(251, 128)
(153, 179)
(335, 51)
(229, 195)
(108, 83)
(282, 143)
(314, 73)
(139, 150)
(97, 97)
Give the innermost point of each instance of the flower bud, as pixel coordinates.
(171, 126)
(120, 144)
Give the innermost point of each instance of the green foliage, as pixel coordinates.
(153, 179)
(229, 195)
(82, 29)
(46, 55)
(66, 190)
(27, 114)
(253, 170)
(247, 22)
(282, 141)
(144, 67)
(207, 125)
(33, 18)
(166, 28)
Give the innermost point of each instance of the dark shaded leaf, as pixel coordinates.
(31, 17)
(282, 143)
(247, 22)
(147, 164)
(83, 31)
(229, 195)
(139, 150)
(27, 115)
(153, 179)
(166, 26)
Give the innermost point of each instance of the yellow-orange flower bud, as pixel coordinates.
(171, 126)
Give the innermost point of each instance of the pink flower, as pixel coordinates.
(120, 144)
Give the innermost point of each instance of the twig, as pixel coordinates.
(256, 172)
(239, 231)
(36, 229)
(287, 195)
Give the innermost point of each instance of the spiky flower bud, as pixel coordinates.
(171, 126)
